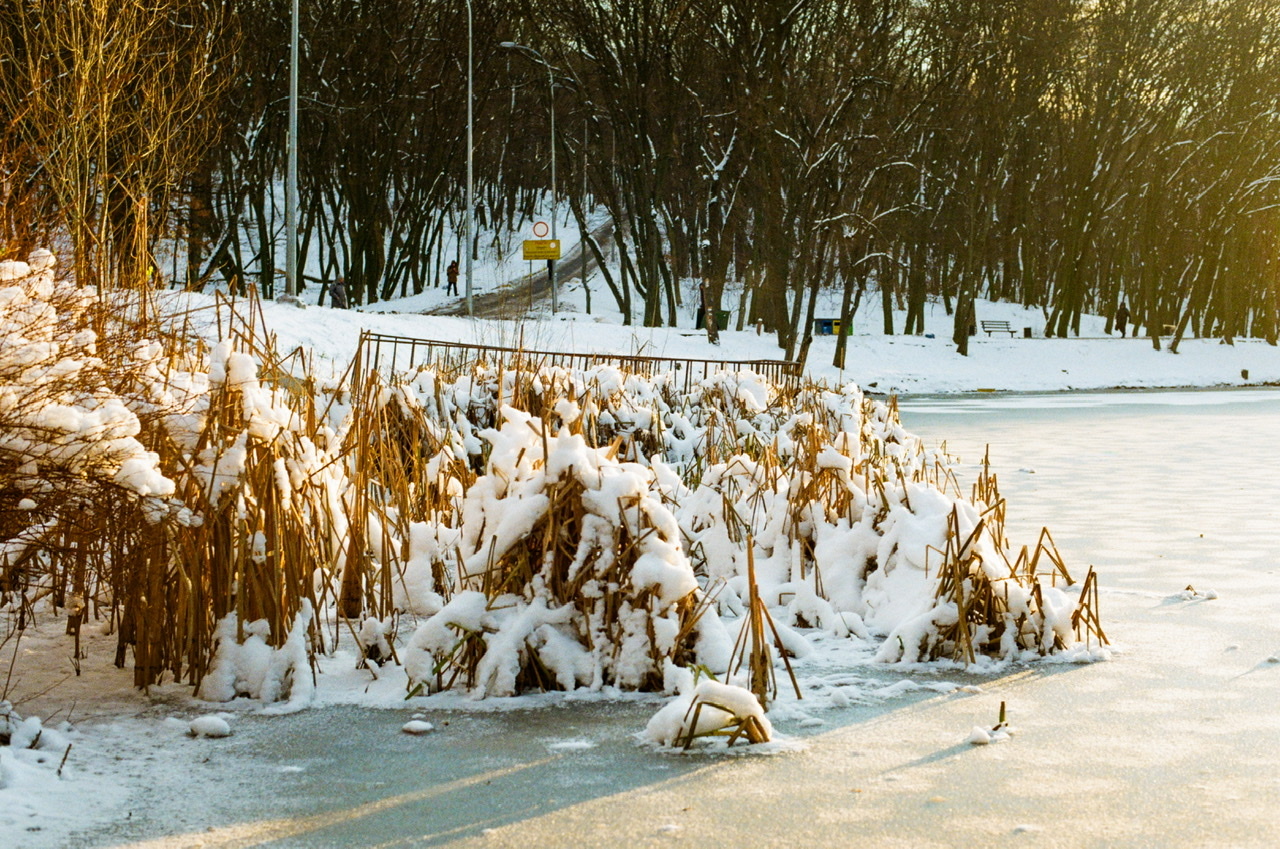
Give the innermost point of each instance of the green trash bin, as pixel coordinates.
(722, 320)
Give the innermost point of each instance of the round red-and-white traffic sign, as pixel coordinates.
(540, 230)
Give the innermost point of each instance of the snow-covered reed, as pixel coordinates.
(498, 530)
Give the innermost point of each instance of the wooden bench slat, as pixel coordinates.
(990, 327)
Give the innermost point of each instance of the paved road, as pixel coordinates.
(518, 297)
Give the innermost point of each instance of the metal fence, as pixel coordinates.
(392, 354)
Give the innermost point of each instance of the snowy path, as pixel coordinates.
(516, 298)
(1172, 743)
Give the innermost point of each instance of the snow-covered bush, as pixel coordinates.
(855, 527)
(65, 430)
(570, 573)
(81, 484)
(164, 476)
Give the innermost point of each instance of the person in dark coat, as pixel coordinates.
(452, 274)
(338, 294)
(1122, 318)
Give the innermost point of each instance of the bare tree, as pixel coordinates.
(112, 101)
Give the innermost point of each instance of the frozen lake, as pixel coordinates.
(1174, 742)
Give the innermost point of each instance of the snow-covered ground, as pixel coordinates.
(879, 363)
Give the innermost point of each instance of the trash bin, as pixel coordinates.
(1026, 333)
(722, 320)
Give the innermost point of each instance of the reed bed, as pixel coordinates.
(242, 494)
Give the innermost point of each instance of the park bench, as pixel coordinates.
(990, 327)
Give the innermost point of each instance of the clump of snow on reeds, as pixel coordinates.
(60, 424)
(244, 664)
(603, 601)
(708, 708)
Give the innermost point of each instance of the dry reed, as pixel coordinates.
(322, 508)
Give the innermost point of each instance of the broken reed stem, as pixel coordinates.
(747, 725)
(752, 645)
(1086, 616)
(63, 762)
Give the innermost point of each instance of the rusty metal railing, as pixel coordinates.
(392, 354)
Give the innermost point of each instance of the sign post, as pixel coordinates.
(543, 248)
(548, 249)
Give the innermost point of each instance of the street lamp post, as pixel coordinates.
(291, 168)
(551, 87)
(471, 205)
(582, 236)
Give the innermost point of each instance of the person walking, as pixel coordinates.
(452, 274)
(1122, 318)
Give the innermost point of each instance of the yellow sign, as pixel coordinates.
(541, 248)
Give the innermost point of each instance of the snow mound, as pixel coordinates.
(709, 709)
(210, 726)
